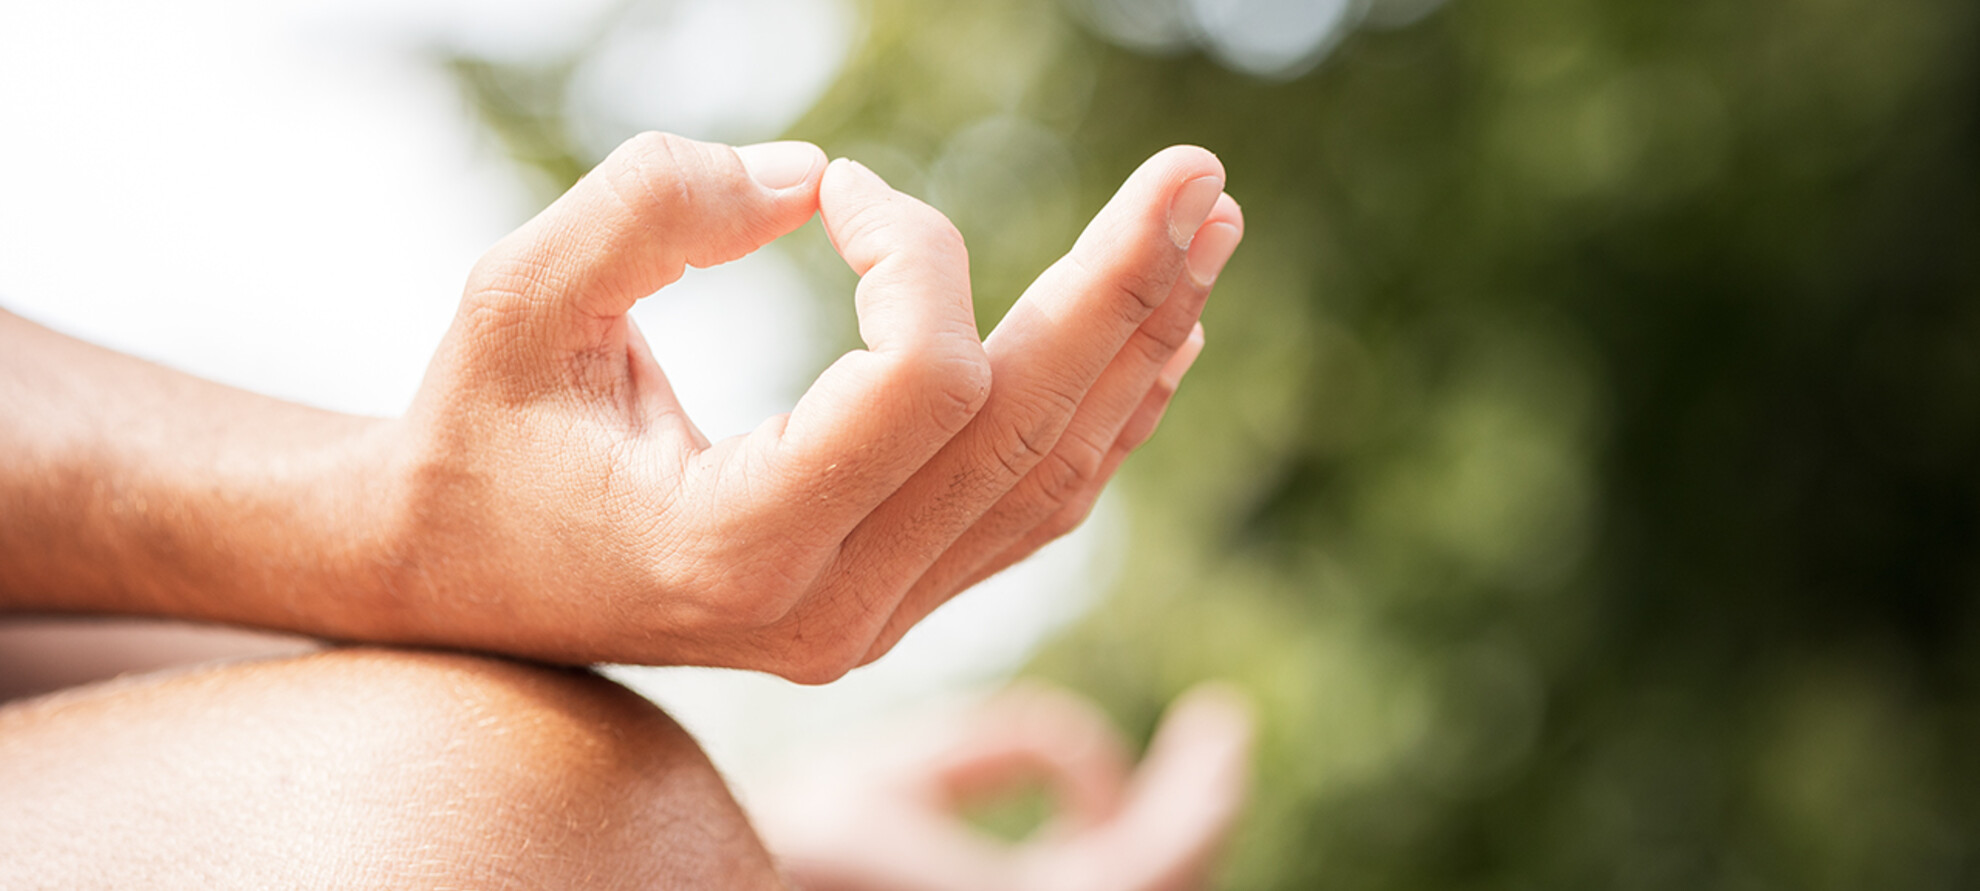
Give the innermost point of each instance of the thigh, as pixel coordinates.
(363, 768)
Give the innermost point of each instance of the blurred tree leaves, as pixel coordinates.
(1584, 470)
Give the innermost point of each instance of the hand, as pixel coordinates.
(883, 816)
(554, 500)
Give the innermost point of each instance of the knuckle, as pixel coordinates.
(1133, 290)
(652, 173)
(1139, 291)
(903, 226)
(1023, 446)
(1034, 434)
(1158, 338)
(952, 381)
(864, 225)
(1054, 480)
(496, 312)
(653, 153)
(1064, 473)
(507, 274)
(963, 384)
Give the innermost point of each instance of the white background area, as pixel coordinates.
(286, 197)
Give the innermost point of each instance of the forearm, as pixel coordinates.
(128, 487)
(547, 496)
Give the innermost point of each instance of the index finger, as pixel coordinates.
(877, 415)
(1036, 731)
(1183, 799)
(1046, 354)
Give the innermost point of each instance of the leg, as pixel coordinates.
(364, 768)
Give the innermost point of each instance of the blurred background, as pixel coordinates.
(1583, 473)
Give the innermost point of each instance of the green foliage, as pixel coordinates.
(1584, 470)
(1012, 815)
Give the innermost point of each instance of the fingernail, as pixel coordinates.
(1178, 364)
(1211, 250)
(780, 165)
(1191, 207)
(863, 171)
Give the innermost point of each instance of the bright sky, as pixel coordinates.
(284, 196)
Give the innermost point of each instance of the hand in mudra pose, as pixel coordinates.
(546, 496)
(885, 812)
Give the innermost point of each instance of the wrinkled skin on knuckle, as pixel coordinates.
(1058, 478)
(652, 173)
(904, 226)
(900, 267)
(958, 385)
(496, 330)
(670, 183)
(1028, 438)
(1133, 290)
(867, 226)
(501, 291)
(1020, 448)
(652, 177)
(948, 381)
(1160, 338)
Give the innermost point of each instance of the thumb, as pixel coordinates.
(657, 204)
(1180, 805)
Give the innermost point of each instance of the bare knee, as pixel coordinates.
(366, 768)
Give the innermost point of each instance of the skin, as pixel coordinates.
(43, 654)
(545, 496)
(364, 768)
(882, 814)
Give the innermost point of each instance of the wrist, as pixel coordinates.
(367, 561)
(427, 552)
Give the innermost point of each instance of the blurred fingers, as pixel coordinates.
(1180, 806)
(1036, 732)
